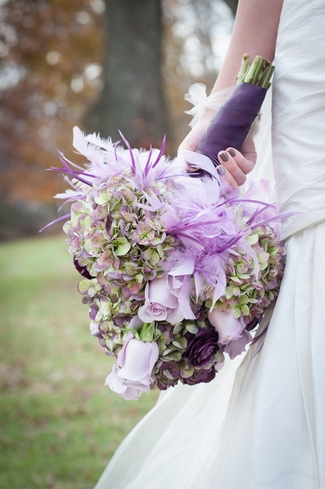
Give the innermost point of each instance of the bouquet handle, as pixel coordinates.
(231, 125)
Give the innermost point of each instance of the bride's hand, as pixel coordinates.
(236, 164)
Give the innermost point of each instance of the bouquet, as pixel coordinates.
(176, 271)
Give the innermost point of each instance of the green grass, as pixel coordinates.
(59, 424)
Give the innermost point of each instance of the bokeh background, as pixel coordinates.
(103, 66)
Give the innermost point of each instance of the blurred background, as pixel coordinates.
(104, 66)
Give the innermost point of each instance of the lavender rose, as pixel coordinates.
(160, 303)
(132, 374)
(236, 347)
(202, 347)
(228, 327)
(127, 389)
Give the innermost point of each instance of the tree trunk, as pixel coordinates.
(132, 98)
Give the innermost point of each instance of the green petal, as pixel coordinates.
(191, 328)
(244, 310)
(147, 332)
(181, 343)
(236, 312)
(123, 247)
(252, 239)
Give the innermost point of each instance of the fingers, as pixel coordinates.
(238, 164)
(249, 153)
(234, 174)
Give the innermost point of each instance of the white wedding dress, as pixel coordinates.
(261, 422)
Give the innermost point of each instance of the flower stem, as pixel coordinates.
(243, 68)
(267, 75)
(259, 72)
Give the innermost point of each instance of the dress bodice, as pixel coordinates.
(299, 113)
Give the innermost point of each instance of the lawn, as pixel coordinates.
(59, 423)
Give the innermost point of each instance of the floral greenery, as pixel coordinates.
(245, 295)
(184, 265)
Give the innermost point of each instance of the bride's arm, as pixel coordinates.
(255, 31)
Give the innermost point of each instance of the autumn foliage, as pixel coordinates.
(57, 70)
(51, 54)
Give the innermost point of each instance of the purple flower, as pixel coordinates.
(200, 376)
(82, 269)
(236, 347)
(132, 374)
(228, 327)
(160, 304)
(202, 347)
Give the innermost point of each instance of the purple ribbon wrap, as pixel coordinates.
(232, 123)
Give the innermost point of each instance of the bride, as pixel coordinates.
(260, 423)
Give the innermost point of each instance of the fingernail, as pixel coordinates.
(224, 156)
(232, 152)
(221, 170)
